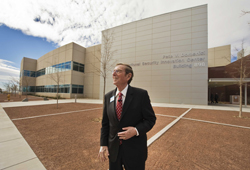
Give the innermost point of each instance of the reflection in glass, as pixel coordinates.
(78, 89)
(66, 66)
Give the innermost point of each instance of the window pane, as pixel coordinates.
(63, 67)
(32, 74)
(66, 90)
(74, 90)
(68, 65)
(81, 69)
(75, 66)
(43, 72)
(80, 90)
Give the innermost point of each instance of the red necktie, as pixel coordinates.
(119, 107)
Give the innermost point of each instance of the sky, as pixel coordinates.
(32, 28)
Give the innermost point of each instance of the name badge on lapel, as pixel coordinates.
(112, 99)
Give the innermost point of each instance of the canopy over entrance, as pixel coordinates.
(218, 82)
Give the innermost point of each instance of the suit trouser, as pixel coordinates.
(121, 161)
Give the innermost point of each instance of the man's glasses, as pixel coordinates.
(116, 71)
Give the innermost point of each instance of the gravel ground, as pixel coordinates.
(227, 117)
(27, 111)
(17, 98)
(191, 145)
(71, 141)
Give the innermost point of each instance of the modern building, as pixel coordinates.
(64, 66)
(225, 80)
(168, 53)
(219, 56)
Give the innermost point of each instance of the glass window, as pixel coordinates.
(32, 89)
(54, 69)
(80, 89)
(42, 71)
(77, 89)
(63, 67)
(32, 74)
(26, 73)
(66, 89)
(78, 67)
(75, 66)
(60, 67)
(46, 70)
(38, 73)
(74, 88)
(81, 69)
(57, 68)
(68, 65)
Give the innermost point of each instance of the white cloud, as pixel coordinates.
(64, 21)
(7, 72)
(81, 21)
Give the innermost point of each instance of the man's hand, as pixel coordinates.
(128, 133)
(103, 153)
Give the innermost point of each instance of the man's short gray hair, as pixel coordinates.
(128, 69)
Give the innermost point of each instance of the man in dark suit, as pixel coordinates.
(127, 117)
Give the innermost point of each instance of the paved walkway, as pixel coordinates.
(95, 101)
(17, 154)
(15, 151)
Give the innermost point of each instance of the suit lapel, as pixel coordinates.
(129, 97)
(113, 106)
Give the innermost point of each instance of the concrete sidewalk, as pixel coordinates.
(42, 102)
(228, 107)
(17, 154)
(209, 107)
(15, 151)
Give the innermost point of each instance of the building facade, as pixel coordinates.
(62, 69)
(168, 53)
(219, 56)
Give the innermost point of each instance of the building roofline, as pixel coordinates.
(156, 16)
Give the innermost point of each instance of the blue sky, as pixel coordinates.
(15, 45)
(33, 28)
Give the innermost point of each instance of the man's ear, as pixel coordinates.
(129, 75)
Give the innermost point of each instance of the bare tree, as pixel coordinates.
(106, 60)
(56, 76)
(25, 83)
(239, 70)
(244, 13)
(17, 83)
(7, 86)
(12, 87)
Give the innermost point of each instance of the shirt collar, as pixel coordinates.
(124, 91)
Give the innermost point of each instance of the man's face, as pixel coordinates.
(120, 78)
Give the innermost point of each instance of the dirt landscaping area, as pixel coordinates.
(16, 98)
(191, 145)
(71, 140)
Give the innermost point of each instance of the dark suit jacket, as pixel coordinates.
(137, 112)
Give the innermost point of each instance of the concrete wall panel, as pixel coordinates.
(169, 55)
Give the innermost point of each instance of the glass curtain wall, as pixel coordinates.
(64, 88)
(77, 89)
(78, 67)
(48, 70)
(54, 69)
